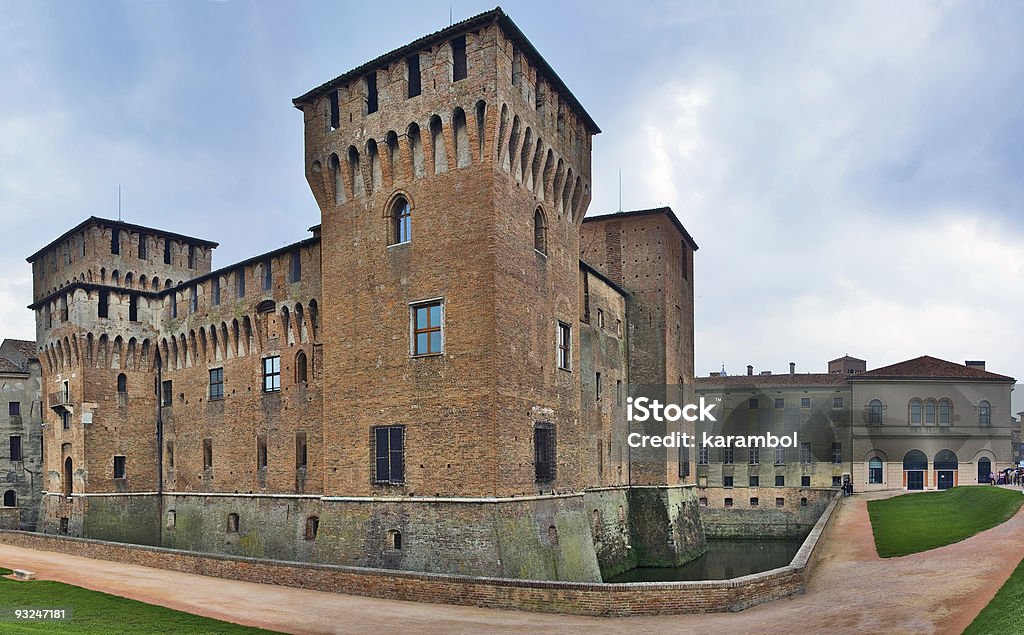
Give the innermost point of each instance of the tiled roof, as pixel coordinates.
(753, 382)
(25, 347)
(667, 211)
(928, 367)
(7, 366)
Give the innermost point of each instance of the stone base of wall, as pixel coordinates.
(780, 512)
(583, 598)
(10, 518)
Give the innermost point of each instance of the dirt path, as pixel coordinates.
(852, 591)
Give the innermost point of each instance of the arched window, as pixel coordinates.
(915, 412)
(301, 373)
(945, 412)
(929, 412)
(915, 460)
(946, 460)
(401, 221)
(10, 498)
(875, 470)
(985, 413)
(68, 473)
(122, 384)
(394, 539)
(312, 526)
(540, 232)
(875, 412)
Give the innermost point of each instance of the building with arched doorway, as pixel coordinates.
(927, 423)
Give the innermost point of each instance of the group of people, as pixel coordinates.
(1009, 476)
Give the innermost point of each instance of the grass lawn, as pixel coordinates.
(918, 522)
(1005, 613)
(95, 612)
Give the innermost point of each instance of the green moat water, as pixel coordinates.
(725, 558)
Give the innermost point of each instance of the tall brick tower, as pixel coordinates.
(98, 304)
(452, 176)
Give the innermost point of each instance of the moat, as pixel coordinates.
(725, 558)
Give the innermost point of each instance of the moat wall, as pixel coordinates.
(779, 512)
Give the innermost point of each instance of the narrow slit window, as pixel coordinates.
(412, 67)
(459, 65)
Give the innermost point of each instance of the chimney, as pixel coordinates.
(792, 368)
(975, 363)
(750, 369)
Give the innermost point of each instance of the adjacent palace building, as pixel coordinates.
(433, 379)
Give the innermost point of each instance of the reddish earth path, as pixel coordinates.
(852, 591)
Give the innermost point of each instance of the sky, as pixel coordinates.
(851, 171)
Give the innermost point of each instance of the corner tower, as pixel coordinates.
(452, 175)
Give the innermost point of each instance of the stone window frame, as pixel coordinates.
(390, 459)
(271, 376)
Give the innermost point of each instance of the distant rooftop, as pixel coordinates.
(667, 211)
(928, 367)
(106, 222)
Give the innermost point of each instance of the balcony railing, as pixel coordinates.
(59, 398)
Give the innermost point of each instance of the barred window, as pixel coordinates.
(702, 455)
(727, 456)
(389, 455)
(216, 383)
(544, 452)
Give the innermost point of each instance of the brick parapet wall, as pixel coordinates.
(650, 598)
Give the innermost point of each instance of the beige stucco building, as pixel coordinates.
(927, 423)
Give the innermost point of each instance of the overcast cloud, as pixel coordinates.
(851, 171)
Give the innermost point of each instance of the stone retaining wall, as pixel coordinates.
(650, 598)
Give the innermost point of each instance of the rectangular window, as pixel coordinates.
(755, 456)
(427, 320)
(167, 251)
(240, 283)
(370, 85)
(261, 452)
(296, 268)
(684, 462)
(170, 454)
(618, 327)
(544, 455)
(754, 501)
(727, 456)
(600, 318)
(597, 386)
(193, 300)
(65, 419)
(805, 481)
(459, 66)
(702, 455)
(837, 402)
(64, 309)
(268, 275)
(335, 113)
(271, 374)
(216, 383)
(805, 402)
(207, 454)
(115, 241)
(300, 449)
(143, 246)
(412, 69)
(837, 453)
(755, 481)
(683, 264)
(727, 482)
(753, 403)
(837, 481)
(780, 480)
(14, 408)
(618, 392)
(780, 403)
(805, 453)
(191, 256)
(119, 467)
(215, 291)
(389, 454)
(780, 456)
(15, 448)
(167, 392)
(103, 304)
(133, 308)
(564, 346)
(174, 304)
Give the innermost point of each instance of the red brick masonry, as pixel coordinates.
(640, 598)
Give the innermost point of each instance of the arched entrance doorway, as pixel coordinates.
(915, 464)
(984, 469)
(945, 469)
(68, 473)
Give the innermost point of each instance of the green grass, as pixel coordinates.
(912, 523)
(95, 612)
(1005, 613)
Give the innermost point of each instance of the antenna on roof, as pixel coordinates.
(620, 189)
(450, 21)
(119, 202)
